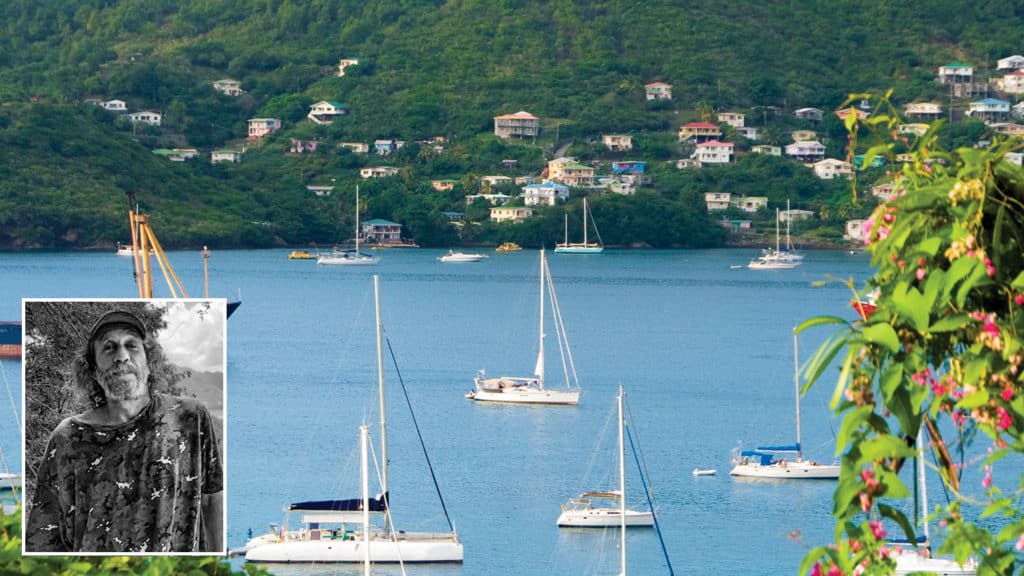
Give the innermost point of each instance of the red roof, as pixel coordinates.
(700, 125)
(520, 114)
(716, 143)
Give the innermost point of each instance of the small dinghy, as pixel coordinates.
(700, 472)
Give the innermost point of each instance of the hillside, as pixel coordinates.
(429, 69)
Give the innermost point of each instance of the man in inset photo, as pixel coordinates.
(123, 454)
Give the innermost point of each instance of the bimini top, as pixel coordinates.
(764, 457)
(378, 504)
(790, 448)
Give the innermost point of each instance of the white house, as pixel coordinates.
(495, 199)
(228, 87)
(713, 152)
(854, 231)
(803, 135)
(795, 215)
(150, 117)
(356, 147)
(1008, 128)
(1014, 62)
(260, 127)
(830, 168)
(218, 156)
(956, 73)
(510, 213)
(749, 132)
(717, 200)
(734, 119)
(617, 142)
(117, 106)
(345, 63)
(320, 190)
(915, 128)
(522, 124)
(750, 203)
(546, 193)
(325, 111)
(1014, 157)
(923, 109)
(989, 109)
(806, 151)
(766, 149)
(1012, 82)
(658, 91)
(496, 180)
(885, 191)
(377, 171)
(809, 114)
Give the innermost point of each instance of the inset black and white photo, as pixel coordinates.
(124, 432)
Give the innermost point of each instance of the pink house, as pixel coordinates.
(260, 127)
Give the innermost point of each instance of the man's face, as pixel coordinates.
(121, 367)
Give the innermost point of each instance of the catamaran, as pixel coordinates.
(326, 535)
(766, 462)
(531, 389)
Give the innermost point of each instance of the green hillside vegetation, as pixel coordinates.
(429, 69)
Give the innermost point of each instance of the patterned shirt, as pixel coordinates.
(131, 487)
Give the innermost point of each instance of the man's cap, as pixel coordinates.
(116, 319)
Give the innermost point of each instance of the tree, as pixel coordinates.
(941, 357)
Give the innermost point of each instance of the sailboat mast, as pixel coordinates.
(566, 238)
(796, 385)
(365, 477)
(789, 218)
(622, 486)
(540, 348)
(357, 219)
(922, 483)
(380, 391)
(585, 221)
(776, 230)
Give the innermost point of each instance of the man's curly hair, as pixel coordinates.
(88, 389)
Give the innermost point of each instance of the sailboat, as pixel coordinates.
(776, 259)
(764, 461)
(580, 512)
(585, 247)
(911, 559)
(530, 389)
(326, 536)
(348, 256)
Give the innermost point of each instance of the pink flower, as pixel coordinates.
(868, 476)
(1004, 418)
(986, 482)
(816, 570)
(834, 571)
(1018, 299)
(877, 529)
(958, 418)
(1007, 394)
(1020, 543)
(921, 273)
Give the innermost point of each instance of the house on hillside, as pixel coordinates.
(806, 151)
(617, 142)
(151, 117)
(356, 147)
(734, 119)
(386, 146)
(956, 73)
(629, 167)
(885, 191)
(218, 156)
(842, 114)
(830, 168)
(1014, 158)
(989, 109)
(795, 215)
(377, 171)
(1015, 62)
(699, 132)
(228, 87)
(750, 203)
(510, 213)
(260, 127)
(569, 171)
(522, 124)
(302, 146)
(749, 132)
(115, 106)
(493, 199)
(345, 63)
(854, 230)
(915, 128)
(658, 91)
(766, 149)
(1012, 82)
(443, 185)
(380, 231)
(803, 135)
(546, 193)
(713, 152)
(320, 190)
(496, 180)
(809, 114)
(1008, 128)
(924, 110)
(717, 200)
(325, 111)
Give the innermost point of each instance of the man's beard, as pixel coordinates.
(126, 382)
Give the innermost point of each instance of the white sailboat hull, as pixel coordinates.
(520, 391)
(348, 260)
(578, 249)
(604, 518)
(787, 470)
(409, 548)
(910, 562)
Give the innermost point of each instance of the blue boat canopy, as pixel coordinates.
(790, 448)
(378, 504)
(764, 457)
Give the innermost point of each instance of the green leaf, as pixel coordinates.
(912, 305)
(949, 323)
(883, 335)
(820, 321)
(899, 518)
(823, 357)
(885, 446)
(1018, 282)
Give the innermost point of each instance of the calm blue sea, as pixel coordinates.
(704, 351)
